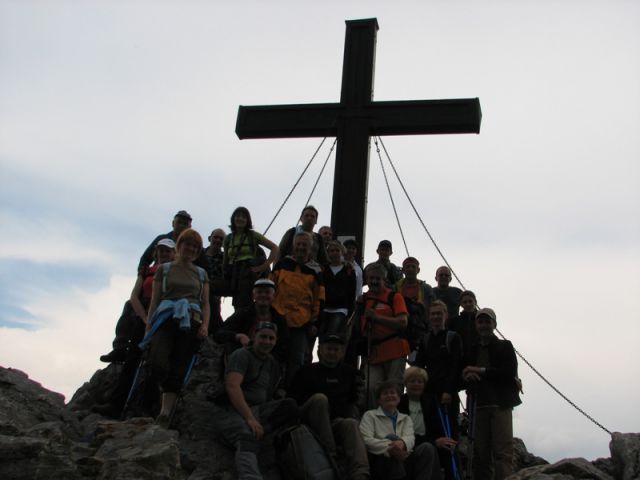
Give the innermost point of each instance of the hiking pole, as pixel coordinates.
(471, 410)
(132, 390)
(446, 426)
(369, 332)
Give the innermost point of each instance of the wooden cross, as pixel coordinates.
(353, 121)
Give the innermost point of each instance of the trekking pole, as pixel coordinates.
(446, 426)
(471, 410)
(369, 331)
(132, 390)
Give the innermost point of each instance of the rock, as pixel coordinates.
(567, 469)
(625, 453)
(606, 465)
(522, 457)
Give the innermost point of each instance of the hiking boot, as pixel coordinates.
(163, 421)
(114, 356)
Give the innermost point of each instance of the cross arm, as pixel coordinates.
(413, 117)
(286, 121)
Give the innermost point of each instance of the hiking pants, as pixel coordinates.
(170, 354)
(493, 446)
(343, 431)
(235, 432)
(422, 464)
(391, 370)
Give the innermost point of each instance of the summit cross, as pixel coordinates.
(353, 121)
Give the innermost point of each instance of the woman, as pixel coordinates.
(430, 425)
(390, 439)
(244, 260)
(140, 300)
(179, 317)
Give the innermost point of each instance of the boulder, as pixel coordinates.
(625, 453)
(567, 469)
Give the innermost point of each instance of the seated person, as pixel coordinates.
(327, 392)
(239, 328)
(390, 440)
(250, 411)
(429, 424)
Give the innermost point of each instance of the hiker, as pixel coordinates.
(248, 411)
(465, 323)
(244, 260)
(308, 220)
(430, 420)
(382, 323)
(339, 281)
(390, 440)
(178, 319)
(443, 291)
(237, 330)
(299, 298)
(440, 354)
(326, 232)
(327, 393)
(491, 376)
(181, 221)
(350, 253)
(418, 295)
(140, 300)
(394, 273)
(215, 270)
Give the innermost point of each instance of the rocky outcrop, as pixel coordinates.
(625, 453)
(41, 438)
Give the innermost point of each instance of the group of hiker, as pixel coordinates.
(382, 398)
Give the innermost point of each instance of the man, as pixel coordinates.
(238, 329)
(251, 380)
(299, 299)
(181, 221)
(417, 296)
(327, 393)
(394, 273)
(449, 295)
(491, 371)
(382, 325)
(351, 251)
(339, 282)
(213, 255)
(308, 220)
(326, 233)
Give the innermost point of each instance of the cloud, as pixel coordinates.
(79, 327)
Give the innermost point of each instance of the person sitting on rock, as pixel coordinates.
(491, 375)
(327, 392)
(390, 440)
(248, 411)
(237, 330)
(140, 300)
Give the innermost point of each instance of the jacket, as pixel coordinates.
(375, 426)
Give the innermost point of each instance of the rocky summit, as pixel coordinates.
(42, 438)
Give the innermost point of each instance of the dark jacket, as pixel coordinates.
(339, 384)
(441, 356)
(243, 321)
(432, 423)
(465, 326)
(450, 296)
(339, 289)
(498, 384)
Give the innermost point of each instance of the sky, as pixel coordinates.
(116, 114)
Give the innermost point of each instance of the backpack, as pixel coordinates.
(302, 457)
